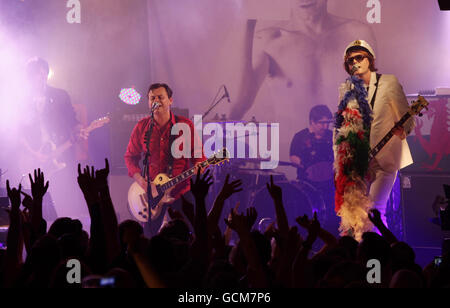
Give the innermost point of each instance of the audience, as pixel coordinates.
(191, 250)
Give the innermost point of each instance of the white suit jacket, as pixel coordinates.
(389, 106)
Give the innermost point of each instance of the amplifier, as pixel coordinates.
(418, 194)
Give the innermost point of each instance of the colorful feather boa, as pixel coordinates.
(351, 147)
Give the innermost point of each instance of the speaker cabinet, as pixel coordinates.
(418, 194)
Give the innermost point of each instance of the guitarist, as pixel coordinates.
(388, 103)
(160, 159)
(48, 121)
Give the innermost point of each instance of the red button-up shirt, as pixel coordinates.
(160, 151)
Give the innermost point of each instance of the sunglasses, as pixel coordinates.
(358, 59)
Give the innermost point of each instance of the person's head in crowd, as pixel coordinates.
(161, 254)
(65, 225)
(73, 245)
(42, 261)
(403, 256)
(350, 245)
(406, 279)
(176, 229)
(59, 277)
(263, 246)
(374, 246)
(342, 274)
(129, 231)
(221, 274)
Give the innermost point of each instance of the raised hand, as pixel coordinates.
(87, 183)
(201, 185)
(314, 228)
(27, 201)
(303, 221)
(38, 189)
(270, 231)
(252, 214)
(229, 189)
(274, 190)
(101, 176)
(14, 196)
(237, 222)
(375, 217)
(86, 178)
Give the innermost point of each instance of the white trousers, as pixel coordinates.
(380, 187)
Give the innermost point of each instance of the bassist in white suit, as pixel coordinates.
(389, 104)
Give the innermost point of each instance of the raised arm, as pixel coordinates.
(200, 188)
(97, 246)
(228, 189)
(277, 196)
(375, 218)
(256, 275)
(13, 256)
(108, 214)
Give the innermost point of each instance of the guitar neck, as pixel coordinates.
(388, 136)
(183, 176)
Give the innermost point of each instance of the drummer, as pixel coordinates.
(311, 152)
(314, 144)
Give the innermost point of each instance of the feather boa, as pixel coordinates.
(351, 146)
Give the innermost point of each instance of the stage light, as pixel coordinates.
(51, 73)
(130, 96)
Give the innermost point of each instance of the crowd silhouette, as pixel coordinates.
(191, 251)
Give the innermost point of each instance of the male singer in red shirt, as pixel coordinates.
(160, 149)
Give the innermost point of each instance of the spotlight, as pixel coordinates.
(129, 96)
(444, 5)
(51, 73)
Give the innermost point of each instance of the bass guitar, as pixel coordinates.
(415, 109)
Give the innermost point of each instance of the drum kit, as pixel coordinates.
(300, 197)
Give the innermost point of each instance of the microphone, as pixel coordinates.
(227, 95)
(354, 69)
(155, 105)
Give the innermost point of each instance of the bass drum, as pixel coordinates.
(299, 198)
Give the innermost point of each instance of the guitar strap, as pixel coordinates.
(146, 161)
(372, 102)
(171, 140)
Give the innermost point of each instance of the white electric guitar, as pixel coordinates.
(161, 188)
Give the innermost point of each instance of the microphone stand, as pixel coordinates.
(146, 169)
(212, 106)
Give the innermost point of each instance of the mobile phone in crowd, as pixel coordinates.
(437, 261)
(107, 282)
